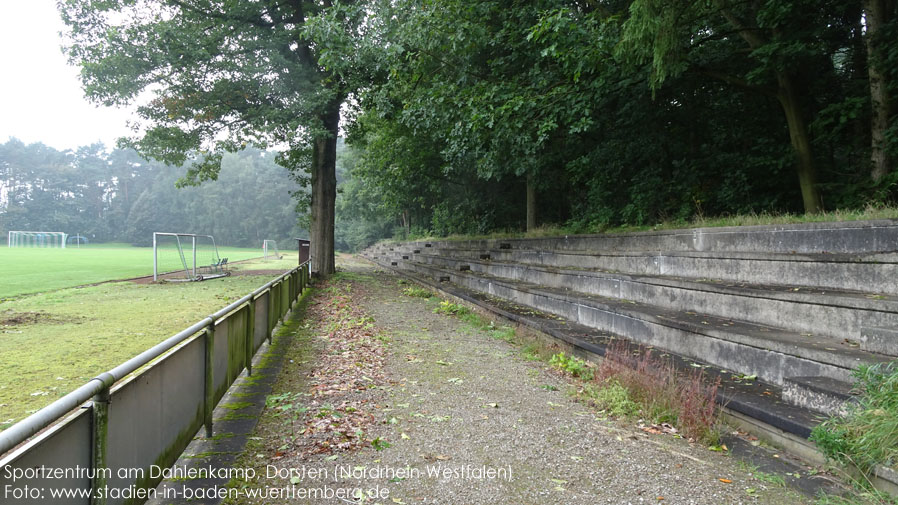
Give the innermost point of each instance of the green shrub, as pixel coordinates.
(451, 309)
(573, 365)
(868, 435)
(415, 291)
(613, 398)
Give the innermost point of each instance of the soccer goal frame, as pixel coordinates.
(270, 250)
(187, 249)
(41, 239)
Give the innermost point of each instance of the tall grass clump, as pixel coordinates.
(633, 382)
(868, 434)
(686, 400)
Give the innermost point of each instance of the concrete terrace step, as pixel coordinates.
(820, 394)
(832, 313)
(846, 237)
(747, 348)
(872, 273)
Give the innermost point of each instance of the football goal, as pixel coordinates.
(270, 250)
(77, 240)
(36, 239)
(186, 257)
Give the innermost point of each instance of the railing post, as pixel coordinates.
(269, 317)
(293, 284)
(209, 388)
(284, 293)
(100, 430)
(250, 338)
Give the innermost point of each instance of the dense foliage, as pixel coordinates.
(622, 112)
(118, 196)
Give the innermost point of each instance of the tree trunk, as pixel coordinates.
(876, 14)
(801, 143)
(531, 204)
(798, 128)
(406, 222)
(324, 194)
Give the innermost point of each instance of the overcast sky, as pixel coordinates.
(40, 94)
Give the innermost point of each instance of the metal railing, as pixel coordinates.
(129, 422)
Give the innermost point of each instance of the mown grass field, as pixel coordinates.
(52, 342)
(25, 270)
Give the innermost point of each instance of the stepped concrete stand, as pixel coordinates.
(797, 306)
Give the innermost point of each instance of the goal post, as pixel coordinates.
(43, 239)
(270, 250)
(186, 257)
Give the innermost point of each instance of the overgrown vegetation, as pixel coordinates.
(868, 435)
(630, 383)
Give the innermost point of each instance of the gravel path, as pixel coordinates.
(469, 419)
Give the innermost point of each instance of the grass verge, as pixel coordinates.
(749, 219)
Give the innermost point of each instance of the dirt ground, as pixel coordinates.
(390, 402)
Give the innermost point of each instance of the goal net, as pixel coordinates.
(270, 250)
(186, 257)
(36, 239)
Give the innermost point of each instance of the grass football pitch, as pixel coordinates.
(54, 338)
(26, 270)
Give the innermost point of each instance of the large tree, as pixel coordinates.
(211, 76)
(782, 43)
(880, 17)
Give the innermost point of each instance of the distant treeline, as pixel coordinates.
(115, 195)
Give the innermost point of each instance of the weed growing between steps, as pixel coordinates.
(868, 435)
(640, 385)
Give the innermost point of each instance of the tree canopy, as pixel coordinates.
(625, 112)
